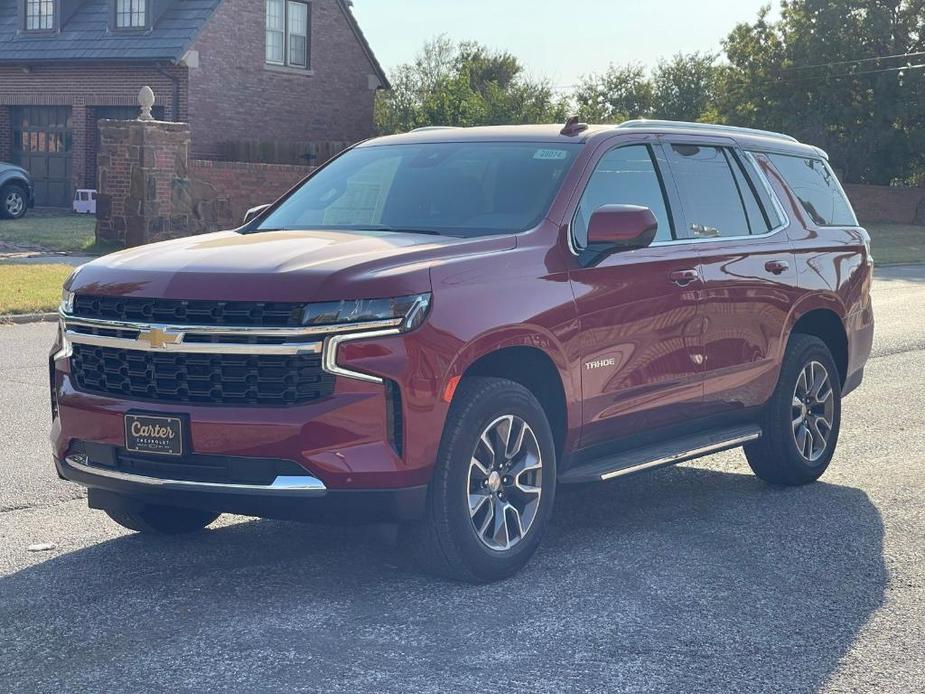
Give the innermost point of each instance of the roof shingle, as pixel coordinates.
(86, 35)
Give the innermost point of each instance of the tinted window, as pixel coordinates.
(624, 176)
(717, 199)
(459, 189)
(814, 183)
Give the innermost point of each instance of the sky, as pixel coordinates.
(559, 40)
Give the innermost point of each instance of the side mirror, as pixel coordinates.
(254, 212)
(614, 228)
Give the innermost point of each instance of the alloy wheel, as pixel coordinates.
(813, 412)
(14, 203)
(505, 483)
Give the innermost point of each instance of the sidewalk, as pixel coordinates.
(43, 258)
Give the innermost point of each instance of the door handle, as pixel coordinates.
(683, 278)
(777, 267)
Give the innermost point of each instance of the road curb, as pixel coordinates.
(20, 319)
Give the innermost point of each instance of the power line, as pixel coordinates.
(917, 54)
(860, 73)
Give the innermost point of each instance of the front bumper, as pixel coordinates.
(355, 452)
(291, 498)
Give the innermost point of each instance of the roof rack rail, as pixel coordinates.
(434, 127)
(711, 127)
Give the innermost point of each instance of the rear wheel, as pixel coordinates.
(494, 485)
(802, 419)
(163, 520)
(13, 201)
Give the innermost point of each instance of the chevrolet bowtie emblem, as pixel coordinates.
(159, 339)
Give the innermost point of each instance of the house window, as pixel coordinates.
(40, 15)
(131, 14)
(288, 26)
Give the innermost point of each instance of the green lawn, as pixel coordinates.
(31, 288)
(893, 244)
(59, 232)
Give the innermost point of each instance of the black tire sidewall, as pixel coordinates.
(804, 350)
(481, 403)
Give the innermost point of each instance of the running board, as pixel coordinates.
(661, 454)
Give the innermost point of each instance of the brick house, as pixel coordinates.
(284, 81)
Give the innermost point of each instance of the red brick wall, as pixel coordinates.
(82, 87)
(235, 96)
(6, 134)
(223, 191)
(887, 204)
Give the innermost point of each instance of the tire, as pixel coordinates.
(162, 520)
(797, 445)
(455, 542)
(13, 201)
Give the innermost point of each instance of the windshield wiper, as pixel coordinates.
(361, 227)
(395, 230)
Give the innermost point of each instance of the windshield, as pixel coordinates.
(457, 189)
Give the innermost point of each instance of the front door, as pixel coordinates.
(638, 309)
(748, 269)
(42, 143)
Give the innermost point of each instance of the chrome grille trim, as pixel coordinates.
(291, 344)
(316, 339)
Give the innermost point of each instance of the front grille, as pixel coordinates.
(189, 312)
(212, 379)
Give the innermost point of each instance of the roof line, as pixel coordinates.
(361, 37)
(188, 44)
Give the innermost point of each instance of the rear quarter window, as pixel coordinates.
(815, 185)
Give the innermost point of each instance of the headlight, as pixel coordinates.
(408, 312)
(67, 302)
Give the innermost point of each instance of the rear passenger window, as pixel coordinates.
(718, 197)
(814, 183)
(624, 176)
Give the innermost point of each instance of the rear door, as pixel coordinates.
(638, 309)
(747, 265)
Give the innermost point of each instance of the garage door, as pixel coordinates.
(42, 143)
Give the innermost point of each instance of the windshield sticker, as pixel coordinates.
(550, 154)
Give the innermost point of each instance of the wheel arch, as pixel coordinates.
(536, 371)
(826, 324)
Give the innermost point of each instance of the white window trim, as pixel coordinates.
(285, 65)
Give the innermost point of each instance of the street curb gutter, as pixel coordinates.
(20, 319)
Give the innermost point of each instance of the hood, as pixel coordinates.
(279, 266)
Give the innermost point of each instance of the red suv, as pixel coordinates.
(440, 328)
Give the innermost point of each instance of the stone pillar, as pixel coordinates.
(142, 181)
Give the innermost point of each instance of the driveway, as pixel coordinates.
(697, 578)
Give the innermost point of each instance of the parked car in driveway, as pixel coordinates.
(15, 191)
(441, 328)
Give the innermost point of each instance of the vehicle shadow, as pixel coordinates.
(679, 581)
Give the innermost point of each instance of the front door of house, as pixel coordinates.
(42, 144)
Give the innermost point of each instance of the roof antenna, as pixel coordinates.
(573, 127)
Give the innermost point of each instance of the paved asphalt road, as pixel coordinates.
(698, 578)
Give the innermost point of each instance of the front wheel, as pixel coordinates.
(494, 484)
(13, 201)
(803, 418)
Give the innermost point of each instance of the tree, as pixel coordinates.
(683, 87)
(464, 84)
(620, 93)
(825, 74)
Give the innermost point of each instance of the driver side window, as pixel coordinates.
(624, 176)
